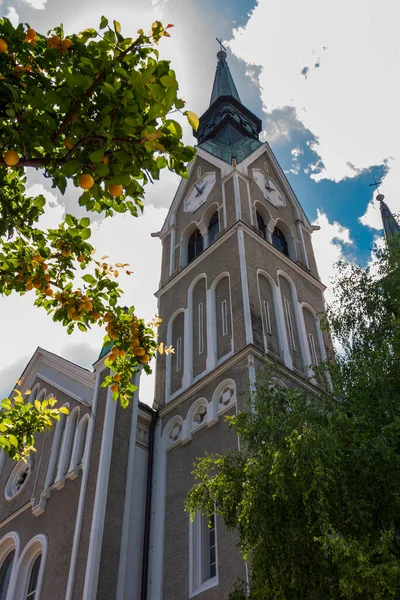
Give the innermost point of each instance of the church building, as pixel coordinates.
(97, 513)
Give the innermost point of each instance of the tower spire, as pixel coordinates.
(227, 129)
(223, 81)
(390, 226)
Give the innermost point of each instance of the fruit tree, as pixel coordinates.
(92, 110)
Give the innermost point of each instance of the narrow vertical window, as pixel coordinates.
(204, 571)
(200, 321)
(268, 327)
(224, 317)
(33, 579)
(261, 225)
(179, 354)
(313, 350)
(199, 171)
(213, 228)
(5, 574)
(290, 325)
(212, 549)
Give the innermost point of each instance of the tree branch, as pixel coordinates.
(88, 92)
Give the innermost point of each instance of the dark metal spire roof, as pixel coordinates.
(223, 81)
(227, 129)
(390, 226)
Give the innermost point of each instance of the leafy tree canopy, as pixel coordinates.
(314, 492)
(93, 110)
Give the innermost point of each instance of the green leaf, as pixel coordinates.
(97, 156)
(64, 410)
(70, 167)
(103, 23)
(84, 222)
(13, 440)
(193, 119)
(117, 27)
(70, 220)
(169, 82)
(89, 279)
(174, 128)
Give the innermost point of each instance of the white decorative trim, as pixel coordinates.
(236, 192)
(11, 492)
(224, 396)
(173, 432)
(157, 522)
(20, 581)
(168, 362)
(196, 555)
(100, 501)
(62, 389)
(245, 289)
(67, 447)
(301, 330)
(82, 493)
(122, 591)
(172, 250)
(8, 543)
(221, 239)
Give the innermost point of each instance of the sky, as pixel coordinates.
(324, 78)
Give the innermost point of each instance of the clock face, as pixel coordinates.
(199, 192)
(269, 188)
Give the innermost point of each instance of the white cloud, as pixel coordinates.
(13, 16)
(351, 101)
(327, 244)
(38, 4)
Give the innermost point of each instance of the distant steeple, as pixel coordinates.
(227, 129)
(223, 81)
(390, 226)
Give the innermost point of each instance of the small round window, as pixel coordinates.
(17, 479)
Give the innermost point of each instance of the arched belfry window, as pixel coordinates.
(213, 228)
(195, 245)
(5, 574)
(279, 241)
(261, 225)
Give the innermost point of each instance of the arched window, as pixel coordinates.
(261, 225)
(33, 579)
(279, 241)
(195, 245)
(213, 228)
(5, 574)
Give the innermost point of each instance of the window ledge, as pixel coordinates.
(209, 583)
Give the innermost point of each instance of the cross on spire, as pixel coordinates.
(221, 46)
(376, 185)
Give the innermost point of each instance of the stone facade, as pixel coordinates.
(102, 501)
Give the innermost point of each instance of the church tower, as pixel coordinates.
(239, 286)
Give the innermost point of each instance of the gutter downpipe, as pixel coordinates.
(149, 486)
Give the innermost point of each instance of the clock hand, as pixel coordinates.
(201, 190)
(268, 186)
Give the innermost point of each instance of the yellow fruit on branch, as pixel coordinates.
(3, 46)
(139, 351)
(86, 181)
(115, 190)
(106, 159)
(55, 41)
(96, 315)
(37, 285)
(30, 35)
(29, 287)
(11, 158)
(145, 358)
(117, 377)
(114, 387)
(48, 292)
(67, 143)
(66, 44)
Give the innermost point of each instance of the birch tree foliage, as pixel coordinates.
(314, 491)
